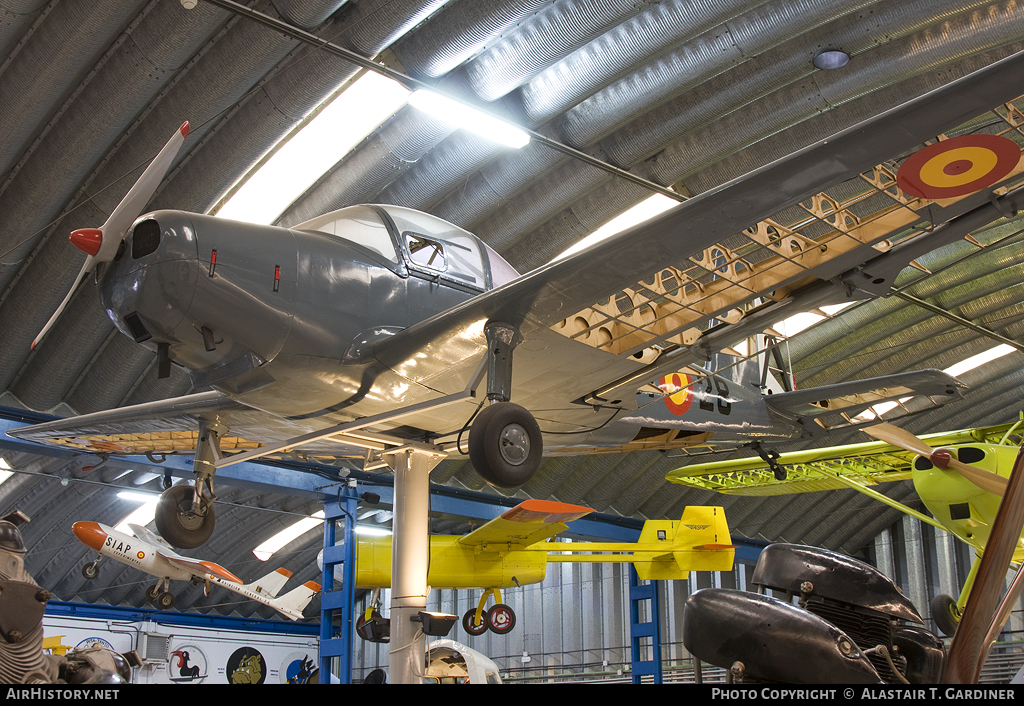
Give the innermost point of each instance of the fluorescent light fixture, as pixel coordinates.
(314, 149)
(643, 211)
(978, 360)
(269, 547)
(461, 115)
(138, 497)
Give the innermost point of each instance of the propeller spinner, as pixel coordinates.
(101, 244)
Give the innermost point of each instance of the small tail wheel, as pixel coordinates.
(468, 622)
(505, 445)
(90, 570)
(501, 619)
(165, 600)
(945, 613)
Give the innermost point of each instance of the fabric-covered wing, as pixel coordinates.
(171, 426)
(729, 255)
(812, 470)
(529, 522)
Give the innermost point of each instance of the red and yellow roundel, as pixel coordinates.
(958, 166)
(141, 555)
(677, 392)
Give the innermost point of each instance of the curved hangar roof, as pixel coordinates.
(684, 94)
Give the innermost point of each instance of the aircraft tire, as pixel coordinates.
(945, 613)
(176, 522)
(165, 601)
(501, 619)
(505, 445)
(90, 570)
(152, 593)
(469, 618)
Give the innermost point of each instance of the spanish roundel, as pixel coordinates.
(677, 392)
(958, 166)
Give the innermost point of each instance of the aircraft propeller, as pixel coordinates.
(987, 481)
(101, 244)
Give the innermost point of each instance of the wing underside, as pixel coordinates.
(866, 464)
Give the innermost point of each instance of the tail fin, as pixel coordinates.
(270, 584)
(294, 602)
(699, 541)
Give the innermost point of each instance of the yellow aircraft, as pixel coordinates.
(960, 476)
(511, 550)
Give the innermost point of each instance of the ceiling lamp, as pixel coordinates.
(831, 59)
(461, 115)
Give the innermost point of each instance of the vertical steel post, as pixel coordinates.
(343, 600)
(409, 561)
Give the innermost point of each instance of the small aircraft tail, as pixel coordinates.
(295, 601)
(270, 584)
(699, 541)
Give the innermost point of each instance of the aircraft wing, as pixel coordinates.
(866, 464)
(200, 567)
(529, 522)
(171, 425)
(769, 239)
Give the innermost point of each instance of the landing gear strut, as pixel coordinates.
(505, 443)
(184, 514)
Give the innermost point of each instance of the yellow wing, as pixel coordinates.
(529, 522)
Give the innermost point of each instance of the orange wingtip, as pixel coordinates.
(284, 572)
(715, 546)
(312, 585)
(545, 511)
(184, 129)
(219, 570)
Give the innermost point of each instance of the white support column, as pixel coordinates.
(409, 551)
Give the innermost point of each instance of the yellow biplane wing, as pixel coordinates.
(831, 468)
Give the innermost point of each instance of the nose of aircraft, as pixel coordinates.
(89, 534)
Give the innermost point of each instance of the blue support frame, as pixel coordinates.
(338, 643)
(649, 591)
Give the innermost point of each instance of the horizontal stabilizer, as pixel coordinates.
(270, 584)
(700, 541)
(821, 410)
(295, 601)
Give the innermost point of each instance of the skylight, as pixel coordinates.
(643, 211)
(314, 149)
(142, 515)
(5, 470)
(272, 545)
(980, 359)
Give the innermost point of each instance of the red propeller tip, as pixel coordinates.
(88, 240)
(941, 458)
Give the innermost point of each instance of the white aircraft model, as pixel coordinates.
(148, 552)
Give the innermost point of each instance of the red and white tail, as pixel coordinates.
(270, 584)
(295, 601)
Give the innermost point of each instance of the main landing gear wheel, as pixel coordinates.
(468, 623)
(178, 524)
(152, 593)
(501, 619)
(945, 613)
(505, 445)
(90, 570)
(165, 600)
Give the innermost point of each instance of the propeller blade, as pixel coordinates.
(968, 650)
(101, 244)
(130, 208)
(81, 274)
(986, 480)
